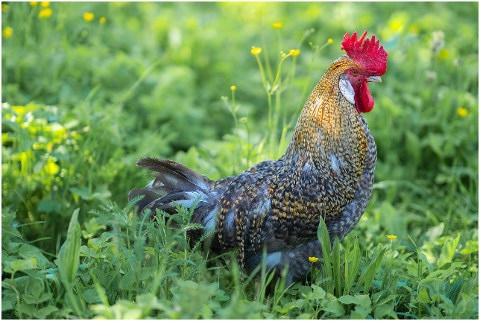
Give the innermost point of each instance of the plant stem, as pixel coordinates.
(267, 61)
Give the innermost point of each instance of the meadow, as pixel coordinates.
(88, 88)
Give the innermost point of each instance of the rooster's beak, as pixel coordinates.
(374, 79)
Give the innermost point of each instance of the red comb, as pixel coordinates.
(372, 58)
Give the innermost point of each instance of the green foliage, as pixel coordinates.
(83, 100)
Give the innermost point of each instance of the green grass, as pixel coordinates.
(82, 101)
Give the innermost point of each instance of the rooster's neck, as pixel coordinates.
(330, 132)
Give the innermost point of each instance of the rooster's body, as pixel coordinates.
(326, 171)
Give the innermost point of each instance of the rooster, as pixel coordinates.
(326, 171)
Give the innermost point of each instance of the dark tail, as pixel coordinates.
(175, 183)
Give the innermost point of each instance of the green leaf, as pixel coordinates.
(27, 144)
(335, 308)
(318, 293)
(443, 274)
(322, 234)
(33, 290)
(351, 269)
(205, 312)
(87, 251)
(34, 299)
(91, 296)
(189, 284)
(287, 307)
(324, 238)
(102, 277)
(360, 312)
(454, 290)
(22, 265)
(106, 236)
(8, 304)
(145, 273)
(385, 310)
(423, 296)
(48, 206)
(436, 141)
(28, 251)
(69, 255)
(362, 300)
(337, 274)
(83, 192)
(150, 250)
(470, 247)
(435, 232)
(103, 191)
(44, 312)
(372, 269)
(127, 280)
(448, 251)
(28, 309)
(424, 260)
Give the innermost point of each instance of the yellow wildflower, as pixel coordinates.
(103, 20)
(330, 40)
(7, 32)
(51, 168)
(33, 3)
(45, 13)
(391, 237)
(256, 51)
(233, 88)
(294, 52)
(396, 25)
(4, 7)
(45, 3)
(313, 259)
(50, 147)
(462, 112)
(38, 146)
(277, 25)
(88, 16)
(443, 54)
(20, 110)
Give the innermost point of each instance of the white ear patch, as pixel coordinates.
(347, 90)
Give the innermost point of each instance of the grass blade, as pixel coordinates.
(351, 269)
(69, 260)
(336, 268)
(69, 254)
(323, 236)
(372, 270)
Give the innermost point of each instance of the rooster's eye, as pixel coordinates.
(354, 72)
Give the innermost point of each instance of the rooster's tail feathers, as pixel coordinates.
(174, 183)
(174, 175)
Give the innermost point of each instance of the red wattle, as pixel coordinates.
(363, 98)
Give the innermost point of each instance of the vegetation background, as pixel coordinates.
(88, 88)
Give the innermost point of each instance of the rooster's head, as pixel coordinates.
(372, 59)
